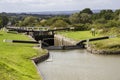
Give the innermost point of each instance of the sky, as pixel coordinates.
(56, 5)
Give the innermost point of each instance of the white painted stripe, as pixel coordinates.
(7, 40)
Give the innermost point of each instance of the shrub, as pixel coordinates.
(80, 27)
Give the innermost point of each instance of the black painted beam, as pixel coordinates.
(93, 39)
(21, 41)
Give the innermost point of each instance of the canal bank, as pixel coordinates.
(90, 47)
(60, 40)
(106, 52)
(39, 59)
(15, 63)
(108, 46)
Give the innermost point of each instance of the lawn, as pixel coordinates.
(112, 44)
(15, 63)
(109, 44)
(78, 35)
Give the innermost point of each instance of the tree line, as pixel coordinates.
(83, 20)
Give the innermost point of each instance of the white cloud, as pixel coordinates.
(47, 5)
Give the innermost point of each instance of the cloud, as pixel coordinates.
(50, 5)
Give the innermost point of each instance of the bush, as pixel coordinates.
(60, 23)
(80, 27)
(111, 31)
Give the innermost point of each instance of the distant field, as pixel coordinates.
(15, 63)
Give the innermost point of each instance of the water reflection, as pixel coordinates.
(80, 65)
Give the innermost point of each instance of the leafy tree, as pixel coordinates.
(107, 14)
(82, 17)
(74, 18)
(51, 21)
(60, 23)
(101, 21)
(80, 27)
(30, 21)
(13, 20)
(43, 22)
(114, 23)
(95, 16)
(87, 10)
(3, 20)
(117, 14)
(0, 22)
(85, 18)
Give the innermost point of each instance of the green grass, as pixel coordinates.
(79, 35)
(15, 63)
(112, 44)
(109, 44)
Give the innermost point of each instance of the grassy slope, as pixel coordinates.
(78, 35)
(15, 63)
(109, 44)
(112, 44)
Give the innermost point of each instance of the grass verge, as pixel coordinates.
(15, 63)
(78, 35)
(112, 44)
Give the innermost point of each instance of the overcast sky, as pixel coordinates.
(55, 5)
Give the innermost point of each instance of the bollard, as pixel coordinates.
(87, 43)
(40, 44)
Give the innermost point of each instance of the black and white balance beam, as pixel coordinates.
(21, 41)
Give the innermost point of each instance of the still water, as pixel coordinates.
(80, 65)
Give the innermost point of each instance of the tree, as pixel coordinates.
(13, 20)
(95, 16)
(117, 14)
(43, 22)
(52, 20)
(80, 27)
(106, 14)
(3, 20)
(82, 17)
(85, 18)
(60, 23)
(100, 21)
(111, 23)
(0, 22)
(74, 18)
(87, 10)
(30, 21)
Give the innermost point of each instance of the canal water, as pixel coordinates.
(80, 65)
